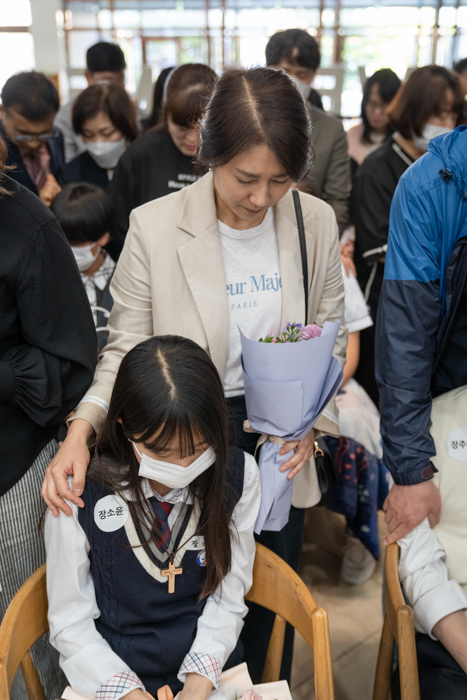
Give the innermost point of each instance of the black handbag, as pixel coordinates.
(325, 470)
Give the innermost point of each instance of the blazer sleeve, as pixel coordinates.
(409, 316)
(130, 321)
(336, 184)
(48, 373)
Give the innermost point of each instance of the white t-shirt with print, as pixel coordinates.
(254, 290)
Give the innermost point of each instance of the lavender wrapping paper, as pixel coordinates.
(287, 386)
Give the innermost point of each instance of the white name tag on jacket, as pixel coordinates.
(196, 543)
(110, 513)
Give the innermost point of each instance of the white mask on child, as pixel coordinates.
(84, 256)
(173, 475)
(106, 153)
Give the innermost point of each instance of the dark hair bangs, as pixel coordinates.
(84, 211)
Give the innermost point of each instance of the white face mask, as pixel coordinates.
(106, 153)
(305, 88)
(429, 132)
(173, 475)
(84, 256)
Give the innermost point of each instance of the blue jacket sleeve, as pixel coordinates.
(409, 316)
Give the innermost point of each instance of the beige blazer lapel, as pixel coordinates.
(203, 267)
(293, 299)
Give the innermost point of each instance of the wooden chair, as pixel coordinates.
(397, 627)
(277, 587)
(24, 623)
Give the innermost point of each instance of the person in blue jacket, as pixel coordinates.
(421, 347)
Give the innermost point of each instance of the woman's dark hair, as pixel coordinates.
(158, 96)
(188, 90)
(85, 212)
(253, 107)
(30, 94)
(421, 97)
(169, 388)
(111, 99)
(388, 84)
(282, 45)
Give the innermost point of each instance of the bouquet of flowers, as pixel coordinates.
(286, 389)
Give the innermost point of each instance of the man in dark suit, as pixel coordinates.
(35, 147)
(297, 52)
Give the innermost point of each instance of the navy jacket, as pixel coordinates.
(84, 168)
(421, 349)
(19, 173)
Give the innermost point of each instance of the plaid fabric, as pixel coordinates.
(119, 685)
(162, 510)
(205, 665)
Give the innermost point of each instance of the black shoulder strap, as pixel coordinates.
(301, 237)
(235, 478)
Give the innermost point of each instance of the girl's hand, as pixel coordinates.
(303, 452)
(196, 687)
(72, 459)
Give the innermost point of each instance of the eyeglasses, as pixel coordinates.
(24, 138)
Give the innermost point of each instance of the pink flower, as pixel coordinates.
(274, 340)
(311, 331)
(250, 695)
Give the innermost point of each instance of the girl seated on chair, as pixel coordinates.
(146, 582)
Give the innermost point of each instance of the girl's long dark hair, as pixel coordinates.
(168, 393)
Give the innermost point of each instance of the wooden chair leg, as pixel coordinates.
(32, 681)
(324, 685)
(272, 666)
(384, 665)
(408, 666)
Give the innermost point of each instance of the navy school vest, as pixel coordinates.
(149, 628)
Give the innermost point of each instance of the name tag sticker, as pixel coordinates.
(195, 544)
(110, 513)
(456, 444)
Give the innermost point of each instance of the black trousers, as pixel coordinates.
(441, 677)
(287, 544)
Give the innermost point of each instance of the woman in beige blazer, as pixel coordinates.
(182, 255)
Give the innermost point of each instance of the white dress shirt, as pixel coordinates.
(89, 663)
(425, 579)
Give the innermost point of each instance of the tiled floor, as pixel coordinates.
(355, 613)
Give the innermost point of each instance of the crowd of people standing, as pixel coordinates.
(121, 385)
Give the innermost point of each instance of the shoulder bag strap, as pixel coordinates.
(301, 237)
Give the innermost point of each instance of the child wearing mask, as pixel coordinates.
(85, 213)
(146, 582)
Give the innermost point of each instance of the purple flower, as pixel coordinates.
(311, 331)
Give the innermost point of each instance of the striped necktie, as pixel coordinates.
(162, 510)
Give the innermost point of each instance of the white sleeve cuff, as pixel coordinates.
(119, 685)
(436, 604)
(203, 664)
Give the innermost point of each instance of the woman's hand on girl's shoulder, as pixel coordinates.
(303, 452)
(72, 459)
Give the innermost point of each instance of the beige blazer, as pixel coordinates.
(170, 280)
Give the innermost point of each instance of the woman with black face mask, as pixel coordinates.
(104, 116)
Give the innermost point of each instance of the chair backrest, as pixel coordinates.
(277, 587)
(398, 627)
(24, 623)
